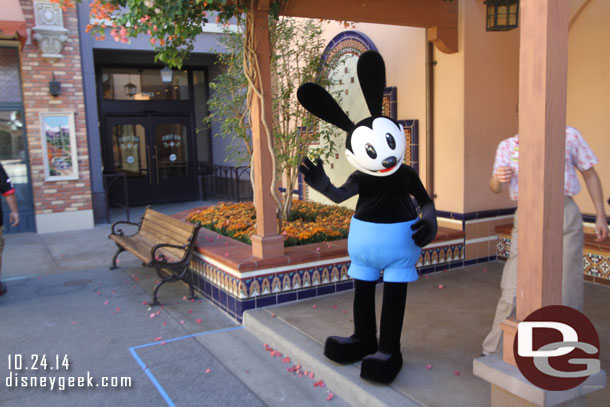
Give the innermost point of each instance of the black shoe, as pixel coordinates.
(381, 367)
(3, 289)
(343, 349)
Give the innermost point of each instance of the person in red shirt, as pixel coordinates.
(8, 191)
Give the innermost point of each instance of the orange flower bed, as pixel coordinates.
(309, 222)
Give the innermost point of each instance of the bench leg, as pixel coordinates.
(154, 300)
(119, 251)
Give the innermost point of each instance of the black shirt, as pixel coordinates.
(6, 188)
(382, 199)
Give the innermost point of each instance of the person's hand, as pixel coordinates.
(314, 174)
(601, 228)
(424, 230)
(13, 218)
(503, 174)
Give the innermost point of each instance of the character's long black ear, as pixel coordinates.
(320, 103)
(371, 74)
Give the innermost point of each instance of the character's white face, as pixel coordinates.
(378, 151)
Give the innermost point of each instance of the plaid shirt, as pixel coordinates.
(578, 155)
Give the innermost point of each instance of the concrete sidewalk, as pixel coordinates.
(63, 300)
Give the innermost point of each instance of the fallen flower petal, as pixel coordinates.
(456, 372)
(182, 322)
(330, 396)
(164, 323)
(118, 309)
(152, 315)
(314, 306)
(311, 375)
(319, 384)
(190, 311)
(286, 360)
(441, 286)
(208, 370)
(199, 320)
(157, 339)
(428, 366)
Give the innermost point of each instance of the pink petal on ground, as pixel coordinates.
(208, 370)
(317, 249)
(99, 293)
(106, 302)
(118, 261)
(218, 237)
(134, 286)
(428, 366)
(190, 311)
(184, 298)
(198, 320)
(113, 291)
(334, 307)
(314, 306)
(163, 343)
(329, 246)
(192, 300)
(445, 270)
(152, 315)
(286, 360)
(118, 309)
(144, 303)
(226, 254)
(441, 286)
(73, 322)
(330, 396)
(319, 384)
(456, 372)
(344, 311)
(164, 323)
(273, 315)
(300, 374)
(311, 375)
(426, 276)
(158, 338)
(182, 322)
(157, 313)
(484, 270)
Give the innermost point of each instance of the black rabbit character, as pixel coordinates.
(385, 231)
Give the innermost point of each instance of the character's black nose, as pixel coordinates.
(389, 162)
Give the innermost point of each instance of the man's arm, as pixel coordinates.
(501, 176)
(594, 187)
(11, 201)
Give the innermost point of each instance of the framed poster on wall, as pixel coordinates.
(59, 146)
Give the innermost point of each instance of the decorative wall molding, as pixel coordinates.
(49, 30)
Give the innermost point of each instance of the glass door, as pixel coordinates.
(172, 150)
(131, 155)
(155, 153)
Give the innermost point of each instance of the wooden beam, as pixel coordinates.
(441, 14)
(542, 123)
(266, 242)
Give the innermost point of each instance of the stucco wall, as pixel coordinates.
(589, 87)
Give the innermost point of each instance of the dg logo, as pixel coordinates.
(556, 348)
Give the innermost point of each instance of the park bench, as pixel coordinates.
(161, 242)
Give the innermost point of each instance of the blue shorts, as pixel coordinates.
(373, 247)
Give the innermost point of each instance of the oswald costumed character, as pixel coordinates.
(385, 231)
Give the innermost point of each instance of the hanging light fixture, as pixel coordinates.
(166, 75)
(502, 15)
(130, 88)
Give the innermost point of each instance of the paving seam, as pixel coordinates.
(343, 379)
(147, 371)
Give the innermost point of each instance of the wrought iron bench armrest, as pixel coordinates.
(161, 259)
(120, 232)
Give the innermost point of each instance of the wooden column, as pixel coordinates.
(266, 242)
(542, 122)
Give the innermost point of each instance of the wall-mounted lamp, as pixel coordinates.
(502, 15)
(55, 87)
(166, 75)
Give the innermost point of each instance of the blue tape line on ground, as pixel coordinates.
(152, 377)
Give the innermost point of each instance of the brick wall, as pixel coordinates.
(55, 196)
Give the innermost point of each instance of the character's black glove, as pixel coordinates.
(425, 228)
(314, 174)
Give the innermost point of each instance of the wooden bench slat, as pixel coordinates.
(164, 234)
(169, 221)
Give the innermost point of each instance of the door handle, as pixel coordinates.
(156, 163)
(148, 161)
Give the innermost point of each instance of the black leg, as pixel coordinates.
(363, 342)
(384, 366)
(119, 251)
